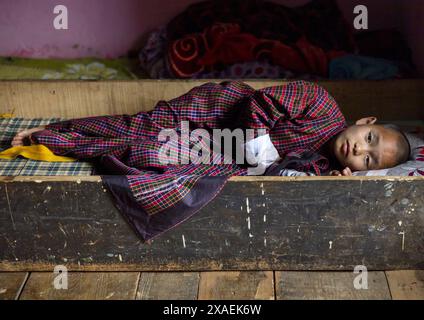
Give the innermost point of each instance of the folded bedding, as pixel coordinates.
(210, 40)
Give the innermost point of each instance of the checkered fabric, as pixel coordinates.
(299, 116)
(9, 127)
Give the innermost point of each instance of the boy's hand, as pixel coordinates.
(345, 172)
(20, 138)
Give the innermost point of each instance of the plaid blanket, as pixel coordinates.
(154, 195)
(9, 127)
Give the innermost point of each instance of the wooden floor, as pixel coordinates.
(220, 285)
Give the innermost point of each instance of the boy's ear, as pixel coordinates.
(368, 120)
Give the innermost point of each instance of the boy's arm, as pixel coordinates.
(300, 100)
(306, 116)
(297, 114)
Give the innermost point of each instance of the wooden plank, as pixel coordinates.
(259, 179)
(329, 285)
(11, 284)
(236, 285)
(295, 224)
(406, 284)
(168, 286)
(82, 286)
(73, 99)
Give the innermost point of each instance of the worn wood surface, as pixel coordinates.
(235, 285)
(168, 286)
(11, 284)
(82, 286)
(406, 284)
(389, 100)
(254, 224)
(294, 285)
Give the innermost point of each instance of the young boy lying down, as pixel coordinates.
(305, 132)
(302, 121)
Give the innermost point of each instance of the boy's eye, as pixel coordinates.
(369, 137)
(367, 160)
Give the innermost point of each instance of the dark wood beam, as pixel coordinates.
(256, 223)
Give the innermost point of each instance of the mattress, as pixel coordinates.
(25, 167)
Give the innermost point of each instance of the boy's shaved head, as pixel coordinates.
(402, 145)
(368, 146)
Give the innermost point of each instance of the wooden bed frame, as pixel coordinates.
(256, 223)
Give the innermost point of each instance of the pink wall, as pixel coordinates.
(105, 28)
(96, 28)
(108, 28)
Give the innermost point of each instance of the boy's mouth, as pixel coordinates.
(345, 148)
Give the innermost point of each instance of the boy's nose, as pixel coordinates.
(357, 149)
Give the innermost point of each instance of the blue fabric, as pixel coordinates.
(362, 68)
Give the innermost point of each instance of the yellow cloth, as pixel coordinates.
(33, 152)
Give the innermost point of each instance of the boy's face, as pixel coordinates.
(366, 146)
